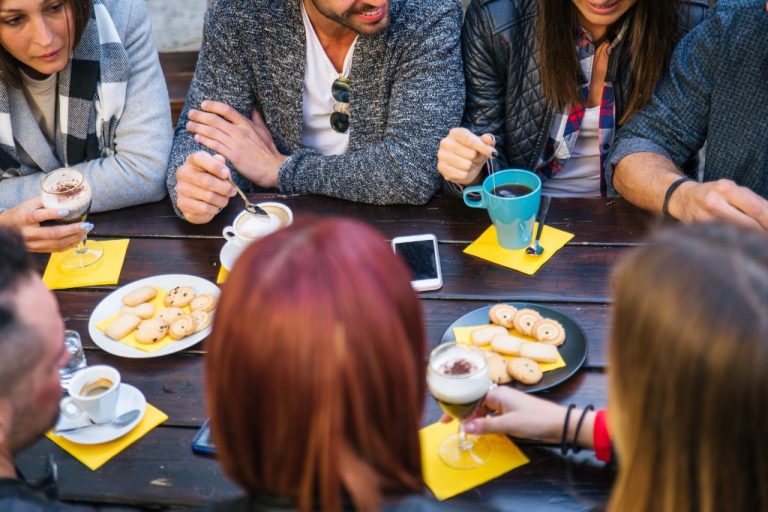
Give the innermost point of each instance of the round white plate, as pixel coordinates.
(112, 303)
(229, 254)
(130, 398)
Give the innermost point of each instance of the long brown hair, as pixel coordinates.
(315, 369)
(651, 37)
(688, 385)
(9, 65)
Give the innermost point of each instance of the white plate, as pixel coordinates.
(229, 254)
(130, 398)
(112, 303)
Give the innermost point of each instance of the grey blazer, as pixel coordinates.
(407, 91)
(135, 174)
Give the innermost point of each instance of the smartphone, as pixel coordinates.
(202, 443)
(420, 254)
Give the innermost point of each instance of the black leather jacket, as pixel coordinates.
(504, 93)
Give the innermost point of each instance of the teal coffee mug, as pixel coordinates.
(512, 200)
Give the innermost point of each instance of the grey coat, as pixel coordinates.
(407, 91)
(135, 174)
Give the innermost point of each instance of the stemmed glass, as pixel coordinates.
(67, 189)
(458, 377)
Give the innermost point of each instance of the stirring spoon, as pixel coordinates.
(536, 249)
(120, 421)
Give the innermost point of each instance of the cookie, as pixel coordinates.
(202, 320)
(144, 311)
(540, 352)
(484, 335)
(524, 370)
(179, 296)
(122, 326)
(497, 366)
(525, 319)
(503, 314)
(182, 327)
(203, 302)
(140, 296)
(151, 331)
(507, 344)
(549, 331)
(170, 315)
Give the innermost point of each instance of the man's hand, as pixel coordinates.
(203, 187)
(462, 155)
(245, 142)
(719, 200)
(27, 218)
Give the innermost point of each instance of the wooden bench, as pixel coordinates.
(178, 68)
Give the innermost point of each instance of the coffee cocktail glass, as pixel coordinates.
(67, 189)
(458, 377)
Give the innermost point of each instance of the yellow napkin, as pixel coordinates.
(488, 248)
(445, 481)
(96, 455)
(223, 274)
(130, 340)
(105, 271)
(462, 335)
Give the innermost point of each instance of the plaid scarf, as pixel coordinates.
(91, 97)
(567, 124)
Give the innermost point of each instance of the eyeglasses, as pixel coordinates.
(340, 93)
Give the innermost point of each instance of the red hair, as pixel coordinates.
(315, 368)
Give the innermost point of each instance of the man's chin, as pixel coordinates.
(372, 29)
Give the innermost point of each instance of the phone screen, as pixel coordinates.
(420, 257)
(202, 443)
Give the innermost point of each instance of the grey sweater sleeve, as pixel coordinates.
(136, 172)
(426, 101)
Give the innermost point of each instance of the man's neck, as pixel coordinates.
(335, 38)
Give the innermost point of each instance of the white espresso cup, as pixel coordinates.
(93, 392)
(248, 228)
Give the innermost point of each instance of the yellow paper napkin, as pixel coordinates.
(462, 335)
(130, 340)
(96, 455)
(105, 271)
(488, 248)
(223, 274)
(445, 481)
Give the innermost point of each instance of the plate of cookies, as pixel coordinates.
(527, 346)
(155, 316)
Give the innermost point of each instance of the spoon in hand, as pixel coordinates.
(119, 421)
(536, 249)
(251, 208)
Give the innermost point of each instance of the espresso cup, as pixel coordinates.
(513, 214)
(93, 392)
(248, 227)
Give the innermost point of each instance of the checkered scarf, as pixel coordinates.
(91, 97)
(567, 124)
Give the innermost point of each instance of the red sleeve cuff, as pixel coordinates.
(601, 437)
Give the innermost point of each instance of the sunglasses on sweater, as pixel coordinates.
(340, 93)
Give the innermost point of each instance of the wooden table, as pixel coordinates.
(160, 470)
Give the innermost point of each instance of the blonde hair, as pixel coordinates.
(688, 372)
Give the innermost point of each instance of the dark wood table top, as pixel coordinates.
(160, 471)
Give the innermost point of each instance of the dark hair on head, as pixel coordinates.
(651, 38)
(9, 65)
(14, 262)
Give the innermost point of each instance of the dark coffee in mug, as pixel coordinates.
(511, 190)
(96, 387)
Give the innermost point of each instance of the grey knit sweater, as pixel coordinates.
(407, 91)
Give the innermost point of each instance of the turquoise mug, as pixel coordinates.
(514, 214)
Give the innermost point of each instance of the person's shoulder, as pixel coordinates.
(739, 12)
(406, 15)
(503, 15)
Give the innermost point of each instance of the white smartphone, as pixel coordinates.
(420, 254)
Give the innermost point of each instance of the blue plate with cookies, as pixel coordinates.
(527, 346)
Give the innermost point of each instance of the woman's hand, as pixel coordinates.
(27, 217)
(463, 154)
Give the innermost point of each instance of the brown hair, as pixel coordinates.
(315, 369)
(9, 65)
(651, 37)
(688, 386)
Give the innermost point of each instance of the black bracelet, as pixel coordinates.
(564, 439)
(670, 190)
(575, 447)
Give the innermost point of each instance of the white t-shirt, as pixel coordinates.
(581, 175)
(41, 95)
(317, 105)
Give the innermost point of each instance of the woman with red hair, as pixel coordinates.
(315, 373)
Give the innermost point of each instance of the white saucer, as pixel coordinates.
(229, 254)
(130, 398)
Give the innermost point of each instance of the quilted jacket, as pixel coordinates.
(501, 66)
